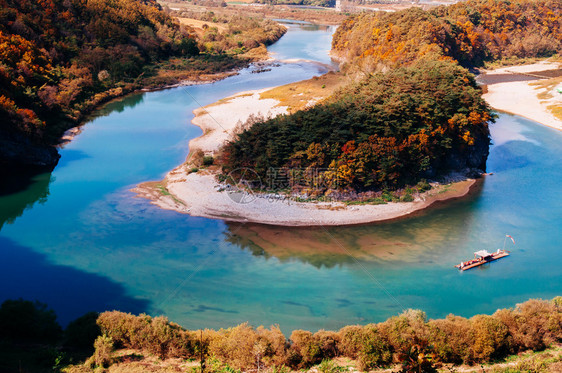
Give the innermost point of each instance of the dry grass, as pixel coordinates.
(556, 110)
(549, 95)
(547, 86)
(300, 95)
(131, 361)
(199, 26)
(256, 54)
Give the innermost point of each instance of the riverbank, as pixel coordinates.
(195, 191)
(534, 98)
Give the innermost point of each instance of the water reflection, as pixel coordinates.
(20, 192)
(118, 105)
(303, 25)
(422, 239)
(69, 291)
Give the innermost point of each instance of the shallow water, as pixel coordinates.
(78, 240)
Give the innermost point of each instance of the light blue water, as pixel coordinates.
(86, 243)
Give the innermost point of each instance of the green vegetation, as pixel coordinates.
(389, 130)
(409, 340)
(208, 160)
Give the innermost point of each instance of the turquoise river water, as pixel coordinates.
(78, 239)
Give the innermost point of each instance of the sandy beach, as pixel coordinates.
(520, 97)
(200, 194)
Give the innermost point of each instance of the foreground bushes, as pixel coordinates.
(408, 337)
(155, 335)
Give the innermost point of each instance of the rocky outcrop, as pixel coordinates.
(467, 160)
(16, 150)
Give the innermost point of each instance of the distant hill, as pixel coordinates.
(472, 32)
(324, 3)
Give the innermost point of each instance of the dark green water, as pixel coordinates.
(78, 240)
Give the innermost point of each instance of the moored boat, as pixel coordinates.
(483, 256)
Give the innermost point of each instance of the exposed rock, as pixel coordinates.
(18, 150)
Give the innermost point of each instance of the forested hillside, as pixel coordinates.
(61, 58)
(55, 55)
(471, 32)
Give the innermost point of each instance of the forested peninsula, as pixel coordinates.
(413, 111)
(59, 59)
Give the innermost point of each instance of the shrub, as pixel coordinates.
(408, 338)
(103, 350)
(156, 335)
(451, 338)
(328, 342)
(491, 338)
(407, 198)
(419, 358)
(208, 160)
(196, 158)
(406, 330)
(351, 337)
(423, 186)
(534, 324)
(276, 346)
(234, 346)
(306, 347)
(375, 350)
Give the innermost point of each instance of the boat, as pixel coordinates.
(483, 256)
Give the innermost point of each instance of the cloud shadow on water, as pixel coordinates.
(69, 291)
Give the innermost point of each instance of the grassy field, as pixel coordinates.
(199, 25)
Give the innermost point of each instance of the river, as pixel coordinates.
(78, 239)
